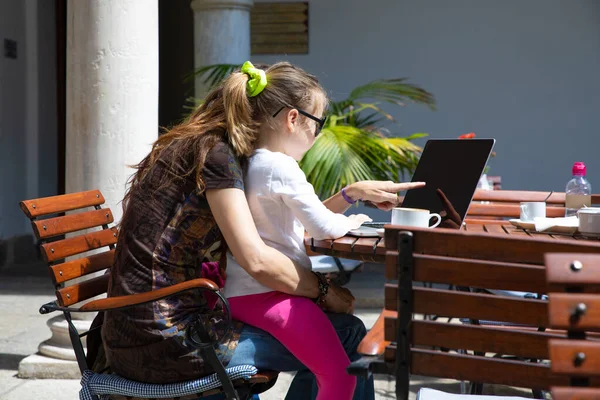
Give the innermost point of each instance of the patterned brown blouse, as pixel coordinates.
(167, 232)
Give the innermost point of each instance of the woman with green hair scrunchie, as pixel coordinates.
(186, 205)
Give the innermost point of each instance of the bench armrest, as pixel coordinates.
(114, 303)
(373, 344)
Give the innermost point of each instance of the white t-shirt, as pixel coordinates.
(283, 205)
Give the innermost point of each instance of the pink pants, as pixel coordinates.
(304, 329)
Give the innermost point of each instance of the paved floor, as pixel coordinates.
(24, 288)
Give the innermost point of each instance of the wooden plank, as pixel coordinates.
(280, 48)
(508, 210)
(325, 244)
(139, 298)
(280, 38)
(344, 243)
(82, 291)
(531, 344)
(58, 204)
(280, 28)
(483, 369)
(565, 354)
(575, 393)
(47, 228)
(373, 343)
(495, 229)
(561, 274)
(265, 18)
(488, 246)
(270, 8)
(381, 247)
(82, 266)
(446, 303)
(517, 196)
(365, 245)
(69, 247)
(472, 273)
(562, 308)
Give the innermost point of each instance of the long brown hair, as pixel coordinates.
(227, 114)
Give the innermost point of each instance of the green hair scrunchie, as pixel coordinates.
(257, 81)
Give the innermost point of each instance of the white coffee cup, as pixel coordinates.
(589, 220)
(416, 217)
(532, 209)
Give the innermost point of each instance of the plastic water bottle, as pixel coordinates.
(579, 191)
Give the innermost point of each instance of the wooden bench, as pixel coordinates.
(50, 226)
(574, 305)
(474, 260)
(505, 203)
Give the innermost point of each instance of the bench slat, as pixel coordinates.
(58, 204)
(530, 344)
(82, 291)
(82, 266)
(563, 354)
(472, 305)
(50, 227)
(561, 308)
(473, 273)
(69, 247)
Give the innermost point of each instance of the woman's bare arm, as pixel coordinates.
(265, 264)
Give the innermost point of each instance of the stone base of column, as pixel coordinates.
(37, 366)
(56, 357)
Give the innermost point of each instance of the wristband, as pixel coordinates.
(346, 197)
(323, 288)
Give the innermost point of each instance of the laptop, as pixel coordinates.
(452, 165)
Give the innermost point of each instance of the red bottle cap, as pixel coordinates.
(579, 169)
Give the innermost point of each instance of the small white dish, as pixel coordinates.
(380, 232)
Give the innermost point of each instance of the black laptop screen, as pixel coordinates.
(454, 166)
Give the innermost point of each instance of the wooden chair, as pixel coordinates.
(465, 259)
(574, 286)
(50, 226)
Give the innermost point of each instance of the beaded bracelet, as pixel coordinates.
(323, 288)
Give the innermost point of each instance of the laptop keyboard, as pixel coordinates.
(376, 225)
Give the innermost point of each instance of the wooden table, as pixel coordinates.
(373, 249)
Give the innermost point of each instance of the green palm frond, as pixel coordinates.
(345, 154)
(395, 91)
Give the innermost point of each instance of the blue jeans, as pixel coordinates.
(258, 348)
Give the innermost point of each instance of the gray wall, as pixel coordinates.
(27, 110)
(523, 72)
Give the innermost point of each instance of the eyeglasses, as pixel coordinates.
(320, 121)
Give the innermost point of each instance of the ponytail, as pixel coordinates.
(241, 127)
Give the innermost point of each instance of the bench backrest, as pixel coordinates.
(51, 225)
(463, 259)
(574, 305)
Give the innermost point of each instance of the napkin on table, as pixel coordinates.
(542, 224)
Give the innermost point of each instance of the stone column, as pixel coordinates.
(221, 34)
(112, 120)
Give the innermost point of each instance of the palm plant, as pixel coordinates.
(354, 145)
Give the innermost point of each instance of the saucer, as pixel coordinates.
(380, 232)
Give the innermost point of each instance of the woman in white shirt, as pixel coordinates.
(283, 205)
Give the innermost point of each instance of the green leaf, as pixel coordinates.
(345, 154)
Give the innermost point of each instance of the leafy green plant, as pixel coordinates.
(353, 144)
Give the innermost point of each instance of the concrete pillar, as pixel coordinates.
(111, 122)
(221, 34)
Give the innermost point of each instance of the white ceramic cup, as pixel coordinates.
(416, 217)
(589, 220)
(532, 209)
